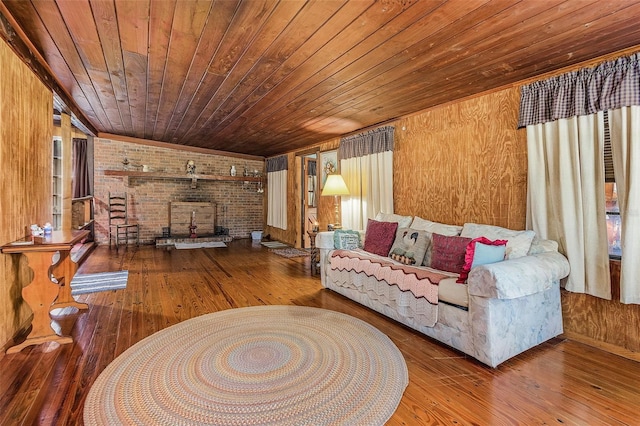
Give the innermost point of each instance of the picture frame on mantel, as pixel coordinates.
(328, 165)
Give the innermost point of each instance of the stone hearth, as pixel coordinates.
(170, 242)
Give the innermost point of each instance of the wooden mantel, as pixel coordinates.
(193, 178)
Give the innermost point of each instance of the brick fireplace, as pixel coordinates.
(232, 206)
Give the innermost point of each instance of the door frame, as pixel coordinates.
(302, 158)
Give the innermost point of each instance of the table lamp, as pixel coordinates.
(335, 186)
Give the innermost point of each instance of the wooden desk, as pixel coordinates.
(41, 293)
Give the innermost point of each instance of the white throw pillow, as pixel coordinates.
(540, 245)
(402, 221)
(435, 227)
(518, 242)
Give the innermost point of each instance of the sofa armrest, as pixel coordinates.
(518, 277)
(324, 240)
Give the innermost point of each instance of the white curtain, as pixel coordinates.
(366, 164)
(277, 199)
(277, 191)
(625, 149)
(565, 197)
(370, 182)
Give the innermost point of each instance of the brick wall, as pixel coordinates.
(240, 208)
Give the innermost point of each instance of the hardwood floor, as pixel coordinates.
(559, 382)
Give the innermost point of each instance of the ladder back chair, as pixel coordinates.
(120, 230)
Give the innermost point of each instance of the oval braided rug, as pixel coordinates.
(264, 365)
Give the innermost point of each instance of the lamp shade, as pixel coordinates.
(335, 185)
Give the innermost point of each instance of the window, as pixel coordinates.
(611, 196)
(613, 219)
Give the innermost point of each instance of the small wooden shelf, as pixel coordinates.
(193, 178)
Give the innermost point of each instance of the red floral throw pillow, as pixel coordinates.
(380, 237)
(481, 251)
(449, 253)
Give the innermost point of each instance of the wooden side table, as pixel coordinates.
(41, 293)
(315, 253)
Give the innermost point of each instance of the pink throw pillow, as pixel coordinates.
(379, 237)
(491, 252)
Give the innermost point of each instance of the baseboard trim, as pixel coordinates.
(608, 347)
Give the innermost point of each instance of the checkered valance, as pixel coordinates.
(610, 85)
(276, 164)
(366, 143)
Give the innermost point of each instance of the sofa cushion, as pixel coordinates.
(403, 221)
(518, 242)
(449, 253)
(482, 251)
(346, 239)
(410, 246)
(380, 237)
(451, 292)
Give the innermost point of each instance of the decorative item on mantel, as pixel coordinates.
(233, 170)
(125, 164)
(193, 226)
(191, 167)
(191, 171)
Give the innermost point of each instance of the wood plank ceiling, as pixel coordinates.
(263, 77)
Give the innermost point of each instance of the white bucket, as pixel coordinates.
(256, 235)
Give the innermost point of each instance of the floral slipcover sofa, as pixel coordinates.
(487, 291)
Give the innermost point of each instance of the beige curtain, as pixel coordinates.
(277, 191)
(625, 149)
(370, 182)
(565, 197)
(366, 164)
(277, 199)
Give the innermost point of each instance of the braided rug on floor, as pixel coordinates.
(263, 365)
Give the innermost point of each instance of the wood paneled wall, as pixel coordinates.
(463, 162)
(607, 324)
(26, 132)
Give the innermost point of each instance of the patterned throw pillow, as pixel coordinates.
(433, 228)
(346, 240)
(482, 251)
(379, 237)
(449, 253)
(409, 246)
